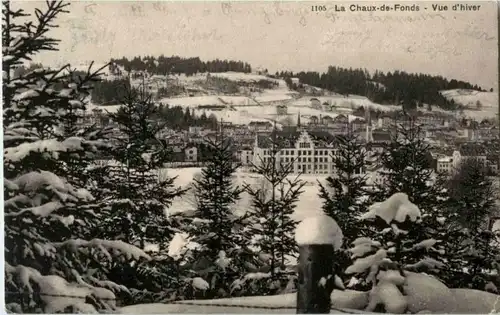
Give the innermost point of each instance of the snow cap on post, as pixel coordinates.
(319, 230)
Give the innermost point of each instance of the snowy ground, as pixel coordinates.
(221, 100)
(468, 98)
(241, 113)
(425, 296)
(280, 304)
(246, 77)
(308, 204)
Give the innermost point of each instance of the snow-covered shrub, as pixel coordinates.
(382, 261)
(263, 283)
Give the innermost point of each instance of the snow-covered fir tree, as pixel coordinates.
(270, 218)
(47, 214)
(378, 263)
(216, 250)
(476, 248)
(406, 168)
(345, 196)
(134, 198)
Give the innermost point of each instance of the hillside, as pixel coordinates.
(240, 97)
(478, 105)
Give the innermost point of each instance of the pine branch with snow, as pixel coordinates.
(383, 260)
(406, 169)
(46, 202)
(134, 198)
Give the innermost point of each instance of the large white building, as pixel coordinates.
(310, 152)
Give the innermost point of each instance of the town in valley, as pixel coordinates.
(156, 164)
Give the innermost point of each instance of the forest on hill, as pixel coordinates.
(176, 65)
(410, 90)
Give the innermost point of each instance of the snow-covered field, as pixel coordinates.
(424, 295)
(308, 204)
(221, 100)
(256, 106)
(469, 98)
(246, 77)
(281, 304)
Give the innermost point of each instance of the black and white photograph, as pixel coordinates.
(251, 157)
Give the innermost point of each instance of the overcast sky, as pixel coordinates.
(281, 36)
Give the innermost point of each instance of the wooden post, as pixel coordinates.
(318, 238)
(315, 263)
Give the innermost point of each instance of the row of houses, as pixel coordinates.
(448, 160)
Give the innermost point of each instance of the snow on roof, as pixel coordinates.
(445, 159)
(318, 230)
(396, 208)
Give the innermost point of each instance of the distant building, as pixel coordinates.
(444, 165)
(315, 103)
(195, 129)
(191, 153)
(358, 124)
(326, 120)
(309, 152)
(469, 151)
(281, 110)
(245, 156)
(341, 122)
(260, 126)
(313, 120)
(493, 162)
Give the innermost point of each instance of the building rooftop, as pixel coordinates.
(287, 138)
(472, 149)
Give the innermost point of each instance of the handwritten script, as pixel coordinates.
(82, 34)
(268, 12)
(440, 42)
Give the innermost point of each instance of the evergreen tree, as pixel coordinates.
(406, 169)
(471, 205)
(348, 184)
(133, 194)
(220, 252)
(273, 205)
(47, 213)
(378, 259)
(134, 180)
(216, 193)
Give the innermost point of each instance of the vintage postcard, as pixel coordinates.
(251, 157)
